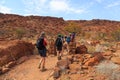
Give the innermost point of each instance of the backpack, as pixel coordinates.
(59, 42)
(68, 39)
(73, 36)
(39, 43)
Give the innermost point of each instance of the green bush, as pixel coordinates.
(73, 27)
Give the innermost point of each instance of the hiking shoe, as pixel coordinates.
(38, 67)
(59, 57)
(43, 69)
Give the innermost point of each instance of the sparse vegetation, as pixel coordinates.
(86, 35)
(73, 27)
(91, 49)
(116, 35)
(20, 32)
(108, 69)
(100, 36)
(73, 66)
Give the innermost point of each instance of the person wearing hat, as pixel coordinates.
(41, 46)
(59, 44)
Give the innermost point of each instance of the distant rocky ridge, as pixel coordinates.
(97, 24)
(33, 25)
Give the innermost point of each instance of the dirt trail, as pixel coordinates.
(29, 71)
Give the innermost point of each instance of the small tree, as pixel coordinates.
(20, 32)
(73, 27)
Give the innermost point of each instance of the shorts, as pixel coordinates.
(42, 53)
(68, 42)
(59, 48)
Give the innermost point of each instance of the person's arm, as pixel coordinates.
(56, 41)
(45, 42)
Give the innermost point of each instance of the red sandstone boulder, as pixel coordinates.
(13, 50)
(117, 53)
(81, 49)
(56, 73)
(63, 64)
(22, 59)
(107, 53)
(10, 64)
(116, 60)
(4, 70)
(94, 60)
(75, 67)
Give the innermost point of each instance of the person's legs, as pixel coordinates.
(58, 55)
(40, 62)
(68, 48)
(43, 60)
(59, 52)
(39, 65)
(43, 63)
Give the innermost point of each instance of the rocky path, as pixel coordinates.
(29, 71)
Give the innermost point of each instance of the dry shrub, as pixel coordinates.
(91, 49)
(109, 69)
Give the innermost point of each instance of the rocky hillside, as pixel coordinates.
(97, 24)
(15, 26)
(98, 29)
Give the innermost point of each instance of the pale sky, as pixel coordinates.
(68, 9)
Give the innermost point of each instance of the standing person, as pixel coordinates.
(68, 40)
(41, 46)
(52, 47)
(73, 36)
(65, 38)
(59, 44)
(65, 44)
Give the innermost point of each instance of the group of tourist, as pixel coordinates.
(60, 40)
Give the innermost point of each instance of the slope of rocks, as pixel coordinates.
(13, 50)
(14, 26)
(11, 26)
(96, 25)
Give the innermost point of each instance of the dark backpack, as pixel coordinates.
(59, 42)
(40, 44)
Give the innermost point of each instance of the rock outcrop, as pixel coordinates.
(13, 50)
